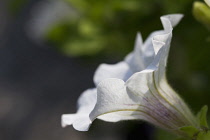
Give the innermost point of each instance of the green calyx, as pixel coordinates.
(202, 132)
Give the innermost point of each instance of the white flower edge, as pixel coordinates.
(135, 61)
(86, 103)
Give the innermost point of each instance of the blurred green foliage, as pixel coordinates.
(109, 27)
(163, 135)
(15, 6)
(202, 13)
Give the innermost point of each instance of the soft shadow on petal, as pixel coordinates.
(111, 96)
(143, 54)
(120, 70)
(87, 100)
(115, 104)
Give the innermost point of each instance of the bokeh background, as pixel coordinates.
(49, 50)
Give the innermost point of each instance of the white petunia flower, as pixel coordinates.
(136, 88)
(86, 103)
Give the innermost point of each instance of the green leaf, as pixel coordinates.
(202, 117)
(190, 131)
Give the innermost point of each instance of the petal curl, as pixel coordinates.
(163, 41)
(80, 120)
(120, 70)
(143, 54)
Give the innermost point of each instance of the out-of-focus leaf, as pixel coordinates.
(15, 6)
(202, 13)
(87, 28)
(59, 33)
(85, 47)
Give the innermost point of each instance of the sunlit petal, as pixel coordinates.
(120, 70)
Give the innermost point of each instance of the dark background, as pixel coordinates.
(38, 83)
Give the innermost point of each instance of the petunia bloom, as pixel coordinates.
(136, 88)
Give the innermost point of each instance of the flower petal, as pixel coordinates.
(135, 59)
(113, 100)
(87, 100)
(120, 70)
(68, 119)
(143, 84)
(160, 61)
(82, 123)
(80, 120)
(174, 19)
(118, 116)
(162, 41)
(143, 54)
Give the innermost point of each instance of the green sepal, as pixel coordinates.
(202, 119)
(190, 131)
(203, 136)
